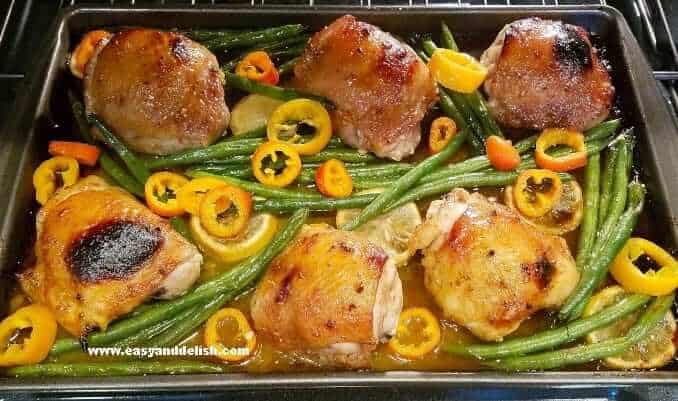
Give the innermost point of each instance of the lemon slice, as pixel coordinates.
(652, 352)
(391, 231)
(259, 232)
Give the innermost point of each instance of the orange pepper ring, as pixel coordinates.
(332, 179)
(219, 200)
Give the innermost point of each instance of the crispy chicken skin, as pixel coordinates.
(330, 293)
(100, 253)
(379, 86)
(486, 269)
(546, 74)
(159, 91)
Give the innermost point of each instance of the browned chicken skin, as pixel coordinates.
(331, 293)
(546, 74)
(380, 87)
(159, 91)
(100, 254)
(488, 270)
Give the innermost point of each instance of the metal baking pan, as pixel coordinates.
(42, 111)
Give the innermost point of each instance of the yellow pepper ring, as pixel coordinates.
(276, 164)
(221, 200)
(418, 333)
(655, 283)
(537, 191)
(213, 338)
(59, 171)
(557, 136)
(36, 346)
(287, 121)
(161, 191)
(457, 71)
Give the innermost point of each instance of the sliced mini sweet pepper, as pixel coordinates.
(225, 211)
(27, 335)
(661, 276)
(229, 332)
(161, 193)
(258, 66)
(304, 124)
(276, 164)
(52, 174)
(557, 136)
(443, 129)
(457, 71)
(332, 179)
(418, 333)
(190, 195)
(537, 191)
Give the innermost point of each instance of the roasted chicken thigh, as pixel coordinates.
(100, 254)
(159, 91)
(379, 86)
(546, 74)
(330, 292)
(488, 270)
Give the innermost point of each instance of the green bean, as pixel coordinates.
(271, 91)
(246, 39)
(606, 182)
(446, 37)
(617, 201)
(553, 337)
(259, 132)
(587, 231)
(242, 172)
(603, 130)
(451, 110)
(130, 368)
(190, 324)
(232, 281)
(347, 155)
(603, 253)
(221, 150)
(647, 322)
(288, 66)
(180, 226)
(405, 182)
(259, 189)
(80, 117)
(282, 205)
(134, 164)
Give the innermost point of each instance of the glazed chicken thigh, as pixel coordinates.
(379, 86)
(100, 254)
(330, 292)
(159, 91)
(486, 269)
(545, 74)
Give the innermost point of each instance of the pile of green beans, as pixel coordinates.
(218, 41)
(650, 318)
(603, 253)
(229, 283)
(135, 165)
(292, 47)
(109, 165)
(221, 150)
(554, 337)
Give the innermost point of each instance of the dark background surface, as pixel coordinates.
(21, 37)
